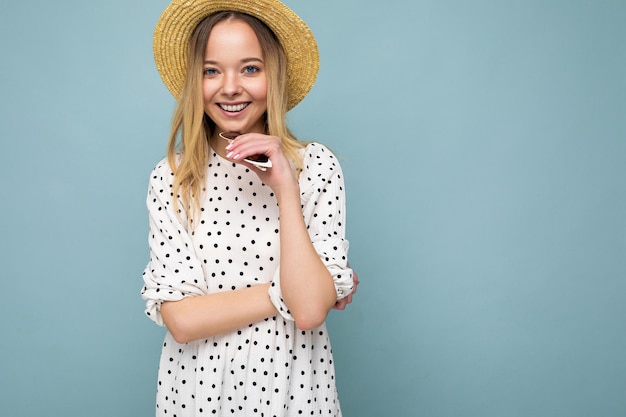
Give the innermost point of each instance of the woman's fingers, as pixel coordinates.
(252, 146)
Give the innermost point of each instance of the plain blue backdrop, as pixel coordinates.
(483, 144)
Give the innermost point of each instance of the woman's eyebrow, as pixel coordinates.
(252, 59)
(243, 61)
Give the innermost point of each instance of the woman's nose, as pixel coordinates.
(231, 85)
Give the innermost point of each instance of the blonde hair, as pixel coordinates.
(188, 148)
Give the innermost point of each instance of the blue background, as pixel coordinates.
(484, 146)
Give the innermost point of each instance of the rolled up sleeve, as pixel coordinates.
(173, 271)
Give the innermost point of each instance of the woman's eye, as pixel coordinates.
(209, 71)
(251, 69)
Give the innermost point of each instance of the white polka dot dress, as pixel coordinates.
(269, 368)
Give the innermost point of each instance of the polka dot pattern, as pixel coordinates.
(269, 368)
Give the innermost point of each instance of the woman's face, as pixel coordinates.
(234, 86)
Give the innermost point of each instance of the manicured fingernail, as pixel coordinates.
(229, 154)
(230, 145)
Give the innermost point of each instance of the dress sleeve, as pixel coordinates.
(323, 200)
(174, 271)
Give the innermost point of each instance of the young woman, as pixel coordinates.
(246, 258)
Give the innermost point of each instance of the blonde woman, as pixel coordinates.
(247, 224)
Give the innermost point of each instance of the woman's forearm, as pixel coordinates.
(194, 318)
(306, 285)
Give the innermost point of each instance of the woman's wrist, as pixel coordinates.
(287, 192)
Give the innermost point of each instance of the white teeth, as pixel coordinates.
(234, 108)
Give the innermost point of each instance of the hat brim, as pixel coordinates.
(180, 18)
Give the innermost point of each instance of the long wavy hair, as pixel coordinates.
(188, 148)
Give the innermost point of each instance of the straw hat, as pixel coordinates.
(180, 18)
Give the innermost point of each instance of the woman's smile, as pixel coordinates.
(233, 108)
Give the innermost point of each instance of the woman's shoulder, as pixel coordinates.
(317, 156)
(319, 163)
(162, 171)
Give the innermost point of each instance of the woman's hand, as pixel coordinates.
(280, 175)
(343, 303)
